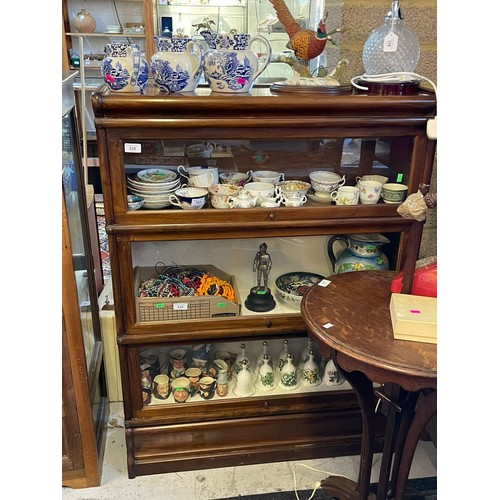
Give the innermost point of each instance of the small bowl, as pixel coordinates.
(266, 176)
(394, 193)
(287, 187)
(292, 286)
(324, 182)
(134, 202)
(235, 178)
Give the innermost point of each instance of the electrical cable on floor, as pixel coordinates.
(316, 485)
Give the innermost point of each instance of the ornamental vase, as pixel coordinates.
(230, 66)
(177, 65)
(84, 22)
(124, 69)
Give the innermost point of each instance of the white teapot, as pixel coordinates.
(244, 199)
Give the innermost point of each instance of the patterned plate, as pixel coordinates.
(157, 175)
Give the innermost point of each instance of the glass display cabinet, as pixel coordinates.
(85, 407)
(159, 249)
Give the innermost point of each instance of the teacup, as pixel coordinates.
(235, 178)
(207, 387)
(202, 150)
(189, 198)
(394, 192)
(373, 177)
(200, 176)
(324, 182)
(369, 192)
(161, 386)
(264, 190)
(180, 389)
(293, 199)
(345, 195)
(219, 194)
(266, 176)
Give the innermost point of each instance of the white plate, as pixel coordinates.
(157, 175)
(153, 188)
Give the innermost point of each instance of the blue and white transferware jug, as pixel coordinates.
(123, 68)
(178, 64)
(230, 65)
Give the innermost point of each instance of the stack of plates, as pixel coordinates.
(114, 28)
(155, 185)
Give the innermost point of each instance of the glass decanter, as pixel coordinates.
(391, 47)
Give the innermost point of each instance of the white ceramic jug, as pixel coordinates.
(177, 65)
(230, 65)
(123, 68)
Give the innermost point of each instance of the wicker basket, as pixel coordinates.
(162, 309)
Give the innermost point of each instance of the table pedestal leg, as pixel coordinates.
(340, 487)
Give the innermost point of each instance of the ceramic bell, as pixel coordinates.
(332, 375)
(310, 372)
(289, 379)
(260, 359)
(304, 355)
(242, 356)
(244, 384)
(266, 377)
(283, 356)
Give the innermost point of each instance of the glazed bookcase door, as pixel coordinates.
(290, 134)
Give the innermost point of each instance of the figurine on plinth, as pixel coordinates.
(260, 298)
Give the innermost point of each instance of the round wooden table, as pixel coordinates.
(351, 321)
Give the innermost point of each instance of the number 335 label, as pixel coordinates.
(132, 148)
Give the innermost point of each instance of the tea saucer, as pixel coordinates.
(326, 200)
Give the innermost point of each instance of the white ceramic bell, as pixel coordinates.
(244, 385)
(266, 380)
(310, 372)
(332, 375)
(289, 379)
(260, 359)
(304, 355)
(283, 356)
(242, 356)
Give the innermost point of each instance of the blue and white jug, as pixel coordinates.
(178, 64)
(230, 65)
(123, 68)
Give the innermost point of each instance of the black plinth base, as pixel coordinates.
(260, 299)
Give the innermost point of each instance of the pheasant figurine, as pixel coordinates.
(306, 43)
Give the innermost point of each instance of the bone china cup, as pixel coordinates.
(345, 195)
(189, 198)
(220, 193)
(369, 192)
(323, 181)
(264, 190)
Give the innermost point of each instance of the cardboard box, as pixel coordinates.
(414, 317)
